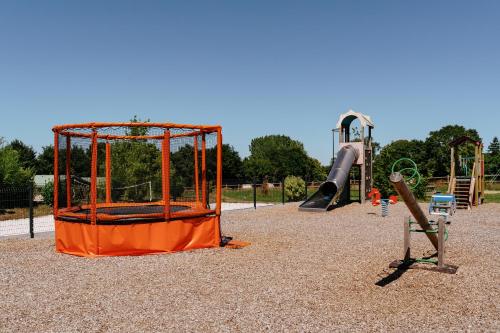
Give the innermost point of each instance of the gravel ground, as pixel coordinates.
(303, 272)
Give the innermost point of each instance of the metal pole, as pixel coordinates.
(56, 175)
(108, 172)
(218, 181)
(207, 189)
(306, 188)
(254, 194)
(150, 192)
(166, 173)
(283, 191)
(30, 194)
(333, 146)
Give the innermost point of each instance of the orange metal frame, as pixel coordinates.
(196, 227)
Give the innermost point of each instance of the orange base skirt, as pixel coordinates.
(89, 240)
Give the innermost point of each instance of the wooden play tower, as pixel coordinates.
(467, 183)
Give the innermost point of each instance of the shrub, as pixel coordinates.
(265, 186)
(47, 192)
(294, 188)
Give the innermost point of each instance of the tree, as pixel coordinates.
(133, 163)
(232, 165)
(45, 161)
(27, 155)
(492, 158)
(80, 161)
(375, 148)
(183, 165)
(12, 172)
(383, 162)
(438, 149)
(138, 131)
(277, 156)
(494, 147)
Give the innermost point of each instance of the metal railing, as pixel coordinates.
(23, 212)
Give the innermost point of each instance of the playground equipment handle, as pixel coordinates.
(399, 184)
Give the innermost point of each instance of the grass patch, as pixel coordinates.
(492, 198)
(274, 195)
(246, 195)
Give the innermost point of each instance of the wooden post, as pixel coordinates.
(476, 175)
(452, 170)
(108, 172)
(166, 173)
(399, 184)
(56, 174)
(68, 171)
(196, 173)
(441, 240)
(204, 196)
(407, 235)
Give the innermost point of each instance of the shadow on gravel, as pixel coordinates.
(393, 276)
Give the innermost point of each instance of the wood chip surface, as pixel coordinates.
(304, 272)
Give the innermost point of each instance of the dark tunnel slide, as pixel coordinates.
(329, 191)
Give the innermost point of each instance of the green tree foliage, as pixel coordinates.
(182, 164)
(391, 153)
(277, 156)
(438, 149)
(45, 161)
(295, 188)
(80, 161)
(133, 163)
(494, 147)
(492, 158)
(375, 148)
(27, 155)
(47, 192)
(12, 171)
(232, 164)
(138, 131)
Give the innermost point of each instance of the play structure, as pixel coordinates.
(377, 200)
(436, 232)
(336, 190)
(467, 173)
(443, 205)
(136, 188)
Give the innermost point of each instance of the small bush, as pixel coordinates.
(47, 192)
(295, 188)
(265, 186)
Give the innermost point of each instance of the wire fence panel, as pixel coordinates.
(23, 212)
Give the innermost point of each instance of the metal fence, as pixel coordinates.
(262, 192)
(23, 212)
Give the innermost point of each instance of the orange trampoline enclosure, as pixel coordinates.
(136, 188)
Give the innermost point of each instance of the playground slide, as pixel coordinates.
(329, 191)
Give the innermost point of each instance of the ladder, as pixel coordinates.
(463, 191)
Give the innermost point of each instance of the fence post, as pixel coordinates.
(208, 196)
(283, 191)
(306, 188)
(30, 193)
(254, 194)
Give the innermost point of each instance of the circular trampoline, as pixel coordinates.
(136, 188)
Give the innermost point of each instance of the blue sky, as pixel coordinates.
(255, 67)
